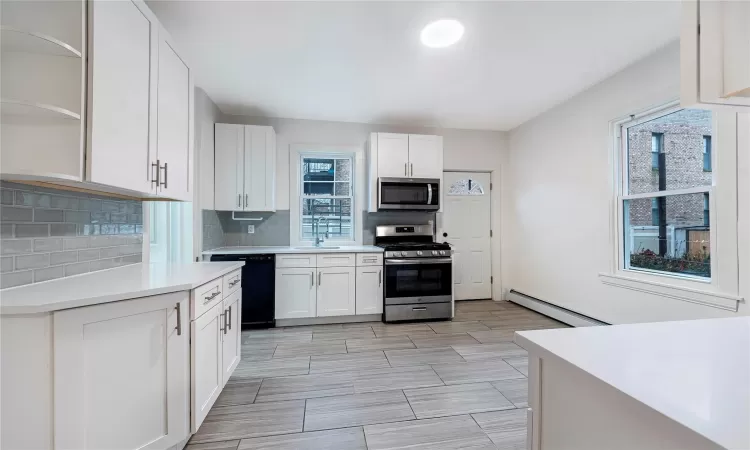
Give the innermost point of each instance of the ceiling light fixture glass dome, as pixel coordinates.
(442, 33)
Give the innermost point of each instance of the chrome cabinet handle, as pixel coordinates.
(230, 317)
(245, 200)
(223, 319)
(319, 278)
(211, 297)
(380, 277)
(156, 175)
(179, 320)
(312, 279)
(239, 200)
(405, 174)
(233, 283)
(411, 170)
(165, 176)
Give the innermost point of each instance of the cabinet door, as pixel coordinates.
(393, 155)
(295, 293)
(229, 169)
(122, 118)
(425, 156)
(231, 334)
(336, 291)
(122, 374)
(260, 168)
(206, 365)
(174, 145)
(369, 290)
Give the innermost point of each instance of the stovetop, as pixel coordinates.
(416, 250)
(410, 241)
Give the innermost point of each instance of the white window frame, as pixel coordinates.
(297, 151)
(722, 289)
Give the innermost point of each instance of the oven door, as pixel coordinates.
(421, 194)
(409, 281)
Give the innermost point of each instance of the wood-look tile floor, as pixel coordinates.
(429, 385)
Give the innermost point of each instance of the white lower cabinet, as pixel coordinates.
(328, 285)
(336, 291)
(295, 293)
(121, 374)
(231, 337)
(215, 347)
(206, 365)
(369, 290)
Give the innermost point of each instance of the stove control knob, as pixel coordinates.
(419, 252)
(434, 253)
(401, 254)
(442, 252)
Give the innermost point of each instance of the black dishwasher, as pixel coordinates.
(258, 289)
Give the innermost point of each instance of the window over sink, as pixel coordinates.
(326, 197)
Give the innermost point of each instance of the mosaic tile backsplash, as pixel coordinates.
(49, 233)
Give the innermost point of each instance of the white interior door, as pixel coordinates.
(467, 222)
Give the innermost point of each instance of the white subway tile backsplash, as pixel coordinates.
(35, 261)
(48, 233)
(13, 279)
(47, 245)
(57, 258)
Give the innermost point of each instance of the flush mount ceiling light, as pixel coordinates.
(442, 33)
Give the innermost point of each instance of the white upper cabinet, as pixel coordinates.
(135, 134)
(393, 154)
(174, 145)
(425, 156)
(245, 168)
(229, 145)
(260, 169)
(122, 117)
(715, 54)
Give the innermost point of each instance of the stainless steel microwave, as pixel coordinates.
(416, 194)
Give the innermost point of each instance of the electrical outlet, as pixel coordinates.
(250, 229)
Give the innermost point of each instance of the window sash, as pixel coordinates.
(304, 197)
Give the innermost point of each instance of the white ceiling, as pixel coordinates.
(363, 61)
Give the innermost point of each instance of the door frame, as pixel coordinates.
(496, 291)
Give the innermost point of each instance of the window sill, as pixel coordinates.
(701, 297)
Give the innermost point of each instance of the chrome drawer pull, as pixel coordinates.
(421, 308)
(232, 283)
(211, 297)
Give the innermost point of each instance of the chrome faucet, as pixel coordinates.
(318, 239)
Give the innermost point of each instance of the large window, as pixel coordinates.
(665, 192)
(326, 197)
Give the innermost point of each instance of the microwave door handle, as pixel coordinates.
(429, 193)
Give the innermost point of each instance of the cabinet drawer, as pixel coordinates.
(335, 260)
(296, 260)
(231, 282)
(417, 312)
(369, 259)
(205, 297)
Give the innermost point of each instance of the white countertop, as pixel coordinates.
(288, 249)
(697, 372)
(122, 283)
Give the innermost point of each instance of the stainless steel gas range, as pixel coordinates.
(418, 274)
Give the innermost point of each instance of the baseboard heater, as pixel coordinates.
(563, 315)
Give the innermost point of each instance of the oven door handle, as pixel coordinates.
(390, 262)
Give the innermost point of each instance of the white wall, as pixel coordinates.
(206, 114)
(557, 199)
(463, 150)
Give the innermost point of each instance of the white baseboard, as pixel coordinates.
(560, 314)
